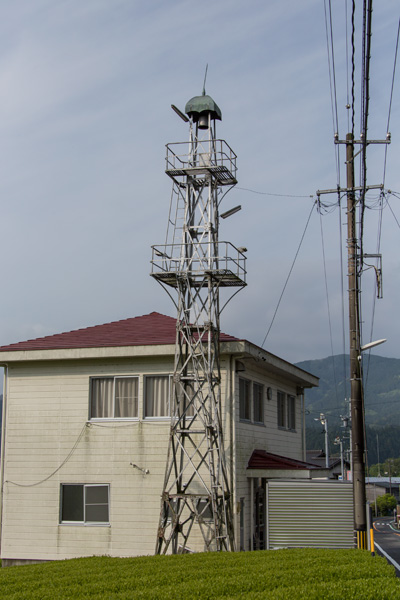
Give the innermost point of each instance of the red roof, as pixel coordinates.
(147, 330)
(260, 459)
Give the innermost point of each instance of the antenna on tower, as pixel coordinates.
(205, 77)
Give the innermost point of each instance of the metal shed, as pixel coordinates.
(312, 513)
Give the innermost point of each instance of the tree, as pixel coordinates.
(386, 504)
(390, 467)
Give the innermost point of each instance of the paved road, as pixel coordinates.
(387, 540)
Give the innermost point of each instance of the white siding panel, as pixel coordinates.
(49, 443)
(268, 437)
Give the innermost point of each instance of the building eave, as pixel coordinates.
(105, 352)
(241, 349)
(272, 363)
(86, 353)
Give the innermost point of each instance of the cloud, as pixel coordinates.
(85, 94)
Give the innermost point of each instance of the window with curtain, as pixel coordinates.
(157, 396)
(114, 398)
(185, 394)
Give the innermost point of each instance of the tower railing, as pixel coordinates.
(212, 157)
(224, 262)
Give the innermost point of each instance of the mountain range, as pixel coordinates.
(381, 378)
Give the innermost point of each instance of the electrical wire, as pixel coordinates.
(353, 65)
(58, 468)
(329, 310)
(332, 81)
(391, 98)
(289, 274)
(86, 425)
(391, 210)
(366, 60)
(347, 63)
(342, 296)
(273, 194)
(378, 246)
(329, 67)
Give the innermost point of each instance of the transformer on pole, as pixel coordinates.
(193, 266)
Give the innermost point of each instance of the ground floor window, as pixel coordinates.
(84, 503)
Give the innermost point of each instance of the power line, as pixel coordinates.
(332, 80)
(66, 459)
(347, 67)
(342, 294)
(391, 97)
(273, 194)
(328, 308)
(391, 210)
(289, 274)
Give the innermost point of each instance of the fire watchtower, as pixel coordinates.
(192, 266)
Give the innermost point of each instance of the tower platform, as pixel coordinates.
(212, 159)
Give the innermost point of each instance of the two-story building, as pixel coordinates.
(86, 418)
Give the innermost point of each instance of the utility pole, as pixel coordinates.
(324, 422)
(356, 392)
(377, 447)
(339, 442)
(356, 389)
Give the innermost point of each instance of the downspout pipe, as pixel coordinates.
(231, 400)
(3, 445)
(303, 428)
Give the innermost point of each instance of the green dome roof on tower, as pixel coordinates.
(203, 103)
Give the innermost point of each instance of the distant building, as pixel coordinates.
(86, 419)
(379, 486)
(318, 457)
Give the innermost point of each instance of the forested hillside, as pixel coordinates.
(382, 402)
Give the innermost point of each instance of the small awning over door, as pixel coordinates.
(270, 466)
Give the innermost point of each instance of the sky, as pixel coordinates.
(85, 113)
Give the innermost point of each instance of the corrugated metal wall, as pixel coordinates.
(316, 514)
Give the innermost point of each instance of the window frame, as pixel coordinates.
(260, 399)
(157, 417)
(286, 411)
(247, 400)
(85, 522)
(281, 410)
(113, 417)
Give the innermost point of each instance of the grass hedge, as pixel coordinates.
(282, 574)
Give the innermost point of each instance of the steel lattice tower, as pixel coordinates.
(192, 266)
